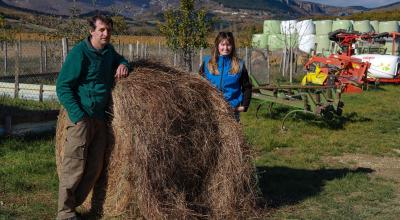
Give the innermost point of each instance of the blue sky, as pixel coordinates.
(365, 3)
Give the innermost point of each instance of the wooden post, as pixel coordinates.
(130, 52)
(64, 48)
(142, 50)
(119, 46)
(249, 65)
(246, 58)
(5, 58)
(41, 93)
(145, 50)
(45, 57)
(137, 49)
(159, 50)
(284, 62)
(201, 56)
(291, 64)
(16, 76)
(41, 57)
(174, 58)
(268, 65)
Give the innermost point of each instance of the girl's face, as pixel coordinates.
(224, 47)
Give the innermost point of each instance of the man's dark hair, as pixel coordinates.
(105, 19)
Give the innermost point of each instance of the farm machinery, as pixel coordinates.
(326, 79)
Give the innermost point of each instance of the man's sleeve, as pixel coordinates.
(67, 83)
(246, 88)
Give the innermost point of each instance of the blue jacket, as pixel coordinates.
(236, 88)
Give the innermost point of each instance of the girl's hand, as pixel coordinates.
(240, 109)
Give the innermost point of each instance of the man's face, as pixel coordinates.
(102, 34)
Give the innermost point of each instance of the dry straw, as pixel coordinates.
(175, 151)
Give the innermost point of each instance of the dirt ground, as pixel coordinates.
(386, 167)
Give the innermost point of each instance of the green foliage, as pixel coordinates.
(119, 25)
(245, 36)
(186, 29)
(5, 33)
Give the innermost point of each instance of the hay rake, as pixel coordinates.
(321, 101)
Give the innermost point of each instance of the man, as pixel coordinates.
(84, 89)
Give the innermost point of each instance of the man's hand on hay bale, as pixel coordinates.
(122, 71)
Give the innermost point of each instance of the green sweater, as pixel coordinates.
(86, 79)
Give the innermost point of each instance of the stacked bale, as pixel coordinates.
(323, 28)
(362, 26)
(375, 26)
(342, 25)
(306, 35)
(259, 41)
(390, 26)
(175, 153)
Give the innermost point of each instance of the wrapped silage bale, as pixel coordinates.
(342, 24)
(362, 26)
(272, 27)
(276, 41)
(382, 66)
(288, 27)
(388, 26)
(389, 46)
(305, 27)
(375, 26)
(323, 27)
(323, 42)
(259, 41)
(307, 42)
(291, 40)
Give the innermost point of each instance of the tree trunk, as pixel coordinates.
(187, 59)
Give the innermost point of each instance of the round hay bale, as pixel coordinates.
(176, 151)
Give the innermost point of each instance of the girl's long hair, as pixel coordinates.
(213, 63)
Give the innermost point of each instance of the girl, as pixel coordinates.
(227, 73)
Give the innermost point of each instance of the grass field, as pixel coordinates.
(343, 169)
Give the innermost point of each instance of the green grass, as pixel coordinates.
(295, 179)
(22, 104)
(28, 179)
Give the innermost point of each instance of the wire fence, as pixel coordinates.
(29, 69)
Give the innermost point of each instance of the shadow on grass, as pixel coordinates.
(23, 142)
(333, 122)
(282, 186)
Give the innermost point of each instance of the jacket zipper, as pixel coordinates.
(220, 83)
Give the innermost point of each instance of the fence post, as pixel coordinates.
(64, 49)
(16, 76)
(137, 49)
(119, 46)
(268, 65)
(41, 56)
(159, 50)
(45, 57)
(174, 58)
(5, 58)
(246, 57)
(142, 50)
(41, 93)
(130, 52)
(201, 55)
(145, 50)
(249, 66)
